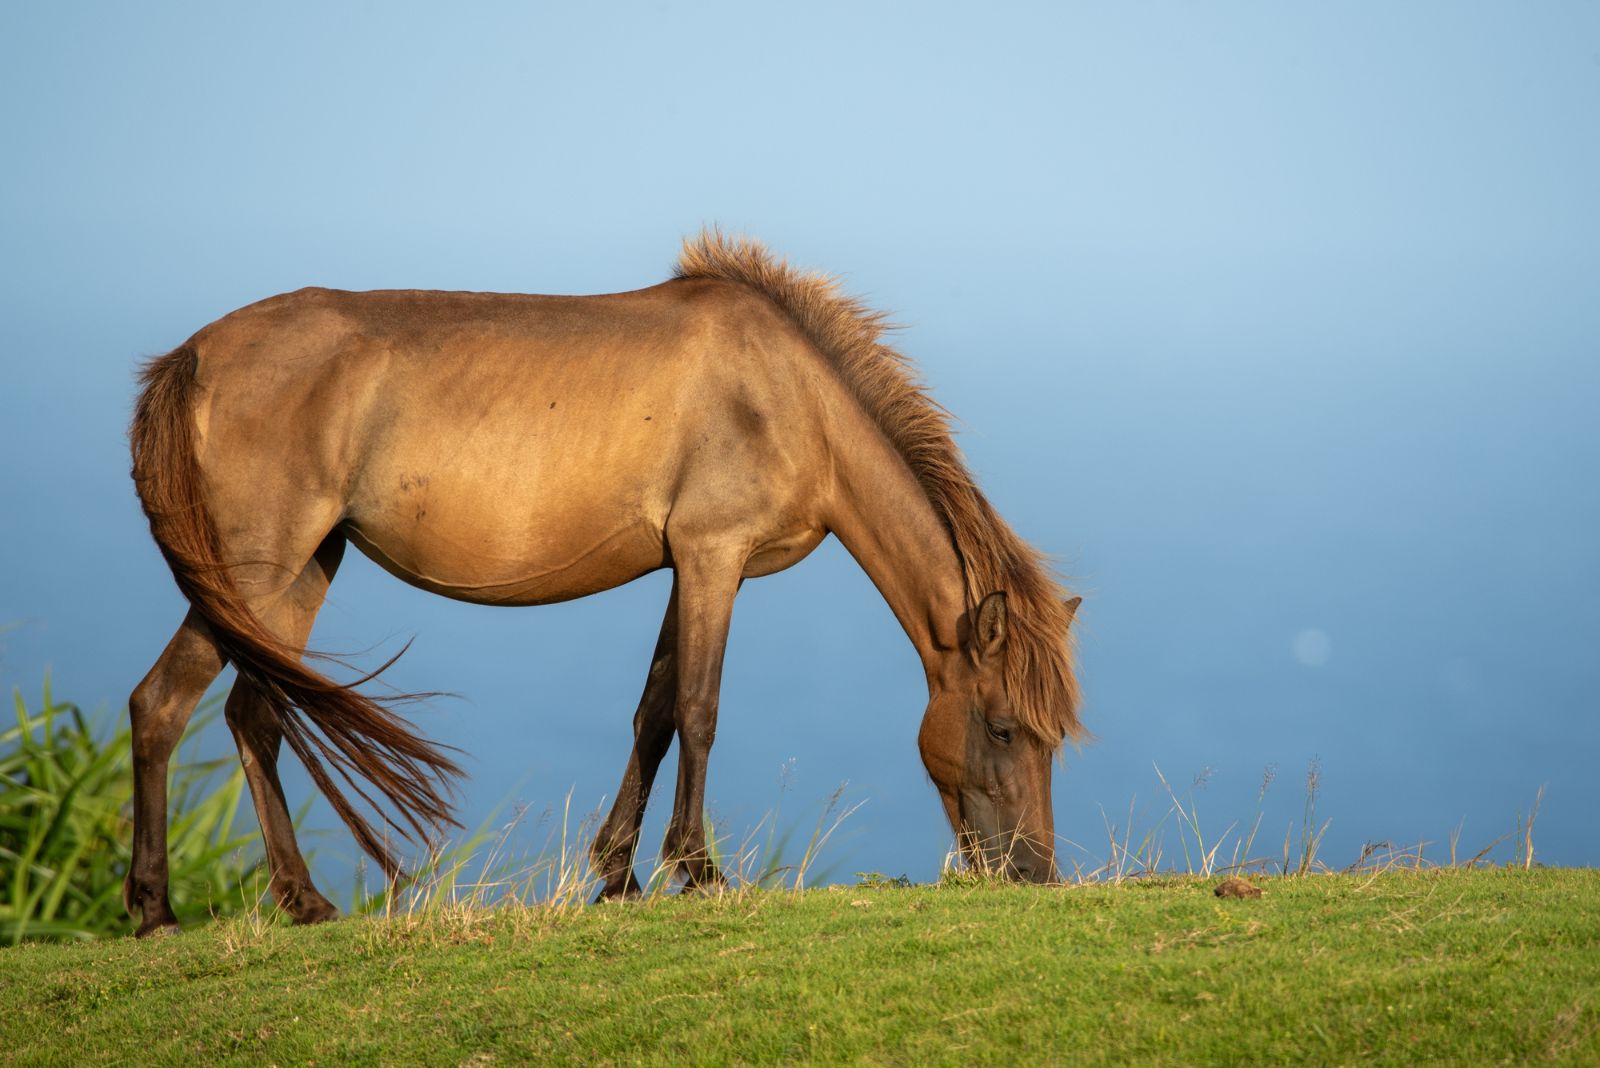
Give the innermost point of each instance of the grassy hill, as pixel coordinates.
(1451, 966)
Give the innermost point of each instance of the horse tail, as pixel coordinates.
(323, 720)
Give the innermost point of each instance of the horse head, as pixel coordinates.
(992, 772)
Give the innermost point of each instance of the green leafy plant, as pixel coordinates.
(66, 799)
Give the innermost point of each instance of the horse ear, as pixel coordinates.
(1071, 605)
(989, 636)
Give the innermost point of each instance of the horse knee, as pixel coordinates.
(696, 720)
(697, 735)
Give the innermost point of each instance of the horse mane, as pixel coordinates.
(1040, 680)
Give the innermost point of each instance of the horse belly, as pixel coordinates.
(510, 550)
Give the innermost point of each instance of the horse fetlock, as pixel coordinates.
(620, 886)
(702, 875)
(303, 902)
(148, 903)
(686, 850)
(614, 844)
(157, 929)
(314, 908)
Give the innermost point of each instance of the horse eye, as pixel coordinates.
(999, 734)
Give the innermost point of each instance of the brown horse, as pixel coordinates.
(513, 449)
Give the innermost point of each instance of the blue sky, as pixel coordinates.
(1276, 327)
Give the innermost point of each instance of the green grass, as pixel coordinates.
(1449, 966)
(66, 798)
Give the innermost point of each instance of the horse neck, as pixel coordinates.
(882, 516)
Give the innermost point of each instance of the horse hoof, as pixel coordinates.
(318, 914)
(158, 929)
(710, 886)
(629, 891)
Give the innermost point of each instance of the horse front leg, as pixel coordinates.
(707, 585)
(618, 839)
(158, 711)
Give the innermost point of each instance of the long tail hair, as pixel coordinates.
(323, 720)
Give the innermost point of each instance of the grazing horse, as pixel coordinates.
(519, 449)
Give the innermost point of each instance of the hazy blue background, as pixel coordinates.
(1278, 329)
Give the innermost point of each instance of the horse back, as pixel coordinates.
(511, 447)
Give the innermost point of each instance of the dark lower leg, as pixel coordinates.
(618, 839)
(259, 739)
(686, 843)
(158, 711)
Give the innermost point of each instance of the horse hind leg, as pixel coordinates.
(259, 737)
(158, 711)
(618, 839)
